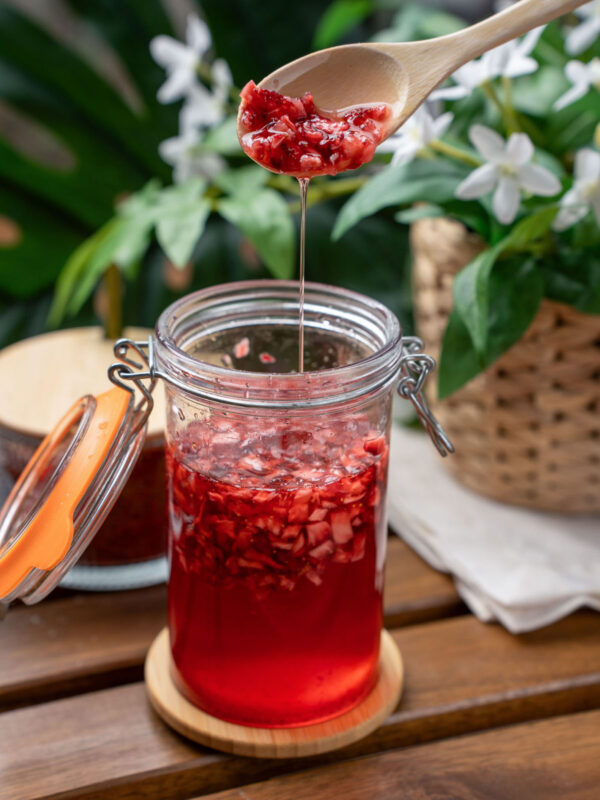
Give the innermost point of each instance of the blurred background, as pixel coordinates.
(80, 128)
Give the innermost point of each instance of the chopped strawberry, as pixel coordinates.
(289, 135)
(341, 527)
(254, 497)
(242, 348)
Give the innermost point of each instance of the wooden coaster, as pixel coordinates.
(309, 740)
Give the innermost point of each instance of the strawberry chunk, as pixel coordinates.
(341, 527)
(271, 505)
(289, 135)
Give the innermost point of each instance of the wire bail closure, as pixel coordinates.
(128, 371)
(415, 367)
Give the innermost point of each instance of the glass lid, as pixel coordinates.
(66, 491)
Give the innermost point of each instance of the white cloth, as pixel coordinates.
(523, 568)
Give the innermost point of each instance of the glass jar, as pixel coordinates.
(276, 485)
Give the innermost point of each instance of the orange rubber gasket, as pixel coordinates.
(46, 540)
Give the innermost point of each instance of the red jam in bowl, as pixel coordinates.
(289, 135)
(277, 540)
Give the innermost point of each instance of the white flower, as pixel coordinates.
(204, 108)
(221, 78)
(509, 60)
(507, 170)
(583, 77)
(180, 60)
(188, 159)
(416, 133)
(586, 33)
(585, 194)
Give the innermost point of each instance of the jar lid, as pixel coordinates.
(66, 491)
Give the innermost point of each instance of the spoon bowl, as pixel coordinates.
(402, 74)
(325, 74)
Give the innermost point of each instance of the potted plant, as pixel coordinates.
(503, 169)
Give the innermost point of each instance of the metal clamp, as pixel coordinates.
(128, 371)
(415, 366)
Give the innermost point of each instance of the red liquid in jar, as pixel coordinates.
(277, 541)
(288, 134)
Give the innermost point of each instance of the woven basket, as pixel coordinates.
(527, 430)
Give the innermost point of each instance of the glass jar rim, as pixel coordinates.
(190, 315)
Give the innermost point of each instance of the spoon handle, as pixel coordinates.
(499, 28)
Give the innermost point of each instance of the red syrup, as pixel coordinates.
(277, 547)
(289, 135)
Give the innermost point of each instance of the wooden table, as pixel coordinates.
(484, 714)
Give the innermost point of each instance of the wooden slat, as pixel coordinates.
(77, 643)
(414, 592)
(551, 760)
(460, 676)
(85, 642)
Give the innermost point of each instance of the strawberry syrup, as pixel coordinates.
(303, 182)
(277, 536)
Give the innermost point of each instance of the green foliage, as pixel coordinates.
(419, 21)
(181, 215)
(264, 217)
(573, 278)
(402, 184)
(110, 150)
(338, 19)
(516, 288)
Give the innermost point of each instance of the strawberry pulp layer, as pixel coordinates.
(277, 539)
(288, 134)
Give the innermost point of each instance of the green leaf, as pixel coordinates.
(471, 287)
(267, 222)
(459, 362)
(432, 181)
(531, 228)
(470, 291)
(419, 21)
(223, 139)
(243, 180)
(421, 211)
(340, 17)
(181, 216)
(73, 271)
(472, 214)
(573, 278)
(122, 241)
(516, 290)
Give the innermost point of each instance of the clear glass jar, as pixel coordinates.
(276, 486)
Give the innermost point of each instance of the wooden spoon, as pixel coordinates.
(403, 74)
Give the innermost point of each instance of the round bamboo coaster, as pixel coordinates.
(308, 740)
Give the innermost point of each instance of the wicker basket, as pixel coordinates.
(527, 430)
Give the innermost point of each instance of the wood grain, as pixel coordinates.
(550, 760)
(460, 676)
(85, 642)
(40, 362)
(414, 592)
(308, 740)
(77, 643)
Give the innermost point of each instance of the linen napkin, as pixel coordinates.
(523, 568)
